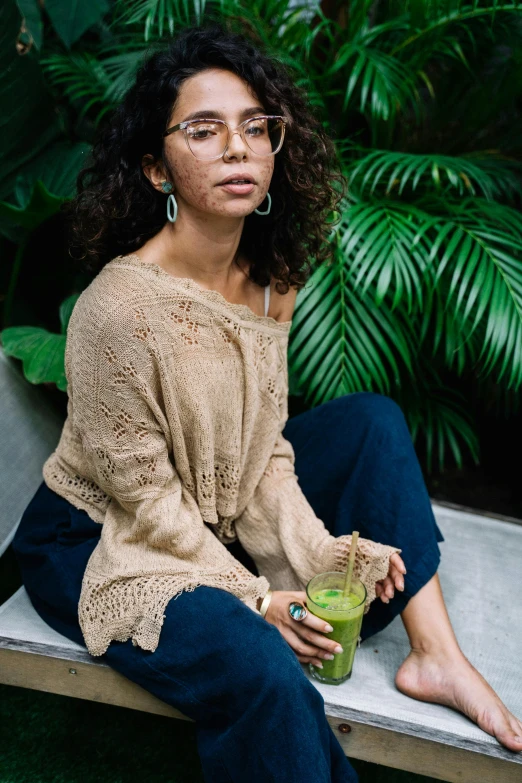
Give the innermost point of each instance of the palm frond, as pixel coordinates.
(384, 246)
(437, 16)
(382, 81)
(341, 343)
(479, 252)
(81, 77)
(438, 415)
(159, 17)
(485, 175)
(443, 335)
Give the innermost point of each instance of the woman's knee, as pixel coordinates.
(374, 412)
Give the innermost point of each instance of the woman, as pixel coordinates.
(171, 504)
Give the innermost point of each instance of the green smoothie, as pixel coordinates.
(325, 599)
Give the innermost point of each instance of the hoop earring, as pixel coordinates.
(174, 204)
(269, 206)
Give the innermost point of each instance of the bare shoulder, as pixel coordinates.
(282, 305)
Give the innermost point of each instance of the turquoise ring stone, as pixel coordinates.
(297, 611)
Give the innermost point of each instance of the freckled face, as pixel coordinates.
(195, 181)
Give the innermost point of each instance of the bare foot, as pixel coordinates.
(453, 681)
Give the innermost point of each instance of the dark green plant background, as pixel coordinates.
(423, 298)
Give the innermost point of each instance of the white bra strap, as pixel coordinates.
(267, 298)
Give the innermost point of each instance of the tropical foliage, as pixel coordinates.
(423, 298)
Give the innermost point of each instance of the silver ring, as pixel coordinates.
(297, 611)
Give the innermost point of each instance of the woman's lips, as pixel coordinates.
(239, 190)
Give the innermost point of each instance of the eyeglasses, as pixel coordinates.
(209, 139)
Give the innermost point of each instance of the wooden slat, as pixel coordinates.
(80, 680)
(419, 730)
(421, 756)
(96, 681)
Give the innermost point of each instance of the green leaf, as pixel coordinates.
(439, 415)
(387, 171)
(29, 121)
(72, 20)
(66, 309)
(40, 206)
(32, 14)
(43, 186)
(483, 268)
(42, 353)
(382, 243)
(341, 342)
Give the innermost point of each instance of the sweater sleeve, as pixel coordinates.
(154, 542)
(280, 528)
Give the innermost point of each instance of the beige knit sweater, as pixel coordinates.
(176, 403)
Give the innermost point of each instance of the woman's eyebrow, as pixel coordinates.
(211, 113)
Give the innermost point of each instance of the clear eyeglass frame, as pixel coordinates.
(241, 128)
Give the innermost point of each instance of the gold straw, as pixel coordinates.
(351, 561)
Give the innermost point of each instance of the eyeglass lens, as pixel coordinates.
(208, 139)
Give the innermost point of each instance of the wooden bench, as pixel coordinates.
(480, 575)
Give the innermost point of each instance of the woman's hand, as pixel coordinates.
(308, 638)
(385, 588)
(305, 637)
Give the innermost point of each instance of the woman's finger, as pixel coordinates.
(389, 587)
(318, 640)
(379, 592)
(305, 659)
(314, 624)
(386, 589)
(301, 647)
(397, 577)
(398, 562)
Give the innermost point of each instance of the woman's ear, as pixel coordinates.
(153, 170)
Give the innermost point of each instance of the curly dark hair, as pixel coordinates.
(117, 209)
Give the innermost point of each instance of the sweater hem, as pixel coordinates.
(123, 617)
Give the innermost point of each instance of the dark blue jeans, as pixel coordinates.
(258, 717)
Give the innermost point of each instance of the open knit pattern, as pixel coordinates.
(176, 404)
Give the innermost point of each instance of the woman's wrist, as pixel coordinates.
(260, 600)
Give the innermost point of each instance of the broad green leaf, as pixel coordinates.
(42, 353)
(40, 206)
(31, 12)
(66, 309)
(29, 122)
(71, 20)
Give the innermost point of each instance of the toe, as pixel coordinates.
(511, 741)
(510, 733)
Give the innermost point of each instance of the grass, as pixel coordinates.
(47, 738)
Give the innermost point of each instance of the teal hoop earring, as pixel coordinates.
(269, 206)
(171, 202)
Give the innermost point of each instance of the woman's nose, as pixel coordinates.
(236, 146)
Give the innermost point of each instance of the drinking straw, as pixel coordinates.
(351, 561)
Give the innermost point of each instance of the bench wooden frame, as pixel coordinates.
(358, 735)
